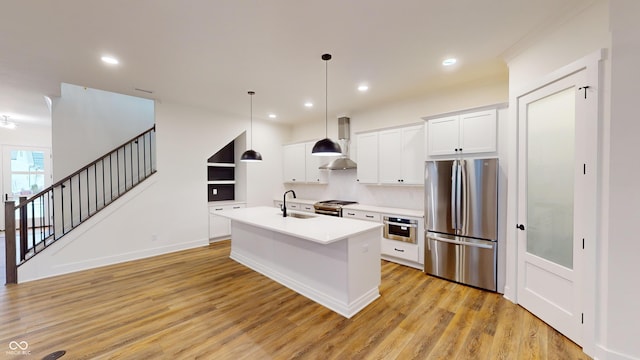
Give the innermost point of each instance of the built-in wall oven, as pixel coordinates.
(400, 229)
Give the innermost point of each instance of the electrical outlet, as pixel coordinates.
(365, 248)
(154, 237)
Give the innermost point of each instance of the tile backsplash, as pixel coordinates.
(342, 185)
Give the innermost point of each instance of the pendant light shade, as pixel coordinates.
(326, 146)
(251, 155)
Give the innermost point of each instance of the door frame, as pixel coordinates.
(591, 64)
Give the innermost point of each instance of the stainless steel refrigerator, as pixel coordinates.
(461, 221)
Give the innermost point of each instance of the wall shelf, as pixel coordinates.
(221, 174)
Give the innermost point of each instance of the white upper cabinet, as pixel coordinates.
(367, 158)
(443, 135)
(392, 156)
(299, 166)
(389, 155)
(467, 133)
(312, 163)
(478, 132)
(401, 155)
(294, 163)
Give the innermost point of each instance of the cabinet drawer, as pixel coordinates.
(400, 250)
(362, 215)
(307, 208)
(213, 209)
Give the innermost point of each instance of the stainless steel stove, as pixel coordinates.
(331, 207)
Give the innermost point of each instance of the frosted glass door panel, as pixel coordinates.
(550, 177)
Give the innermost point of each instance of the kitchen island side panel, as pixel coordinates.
(340, 276)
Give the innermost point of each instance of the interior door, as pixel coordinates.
(551, 214)
(25, 172)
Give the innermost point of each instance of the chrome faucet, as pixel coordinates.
(284, 201)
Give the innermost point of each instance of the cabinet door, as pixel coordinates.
(443, 136)
(390, 156)
(367, 158)
(294, 163)
(412, 158)
(312, 163)
(478, 132)
(220, 227)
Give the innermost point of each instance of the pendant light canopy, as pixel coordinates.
(326, 146)
(251, 155)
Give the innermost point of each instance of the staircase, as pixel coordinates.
(49, 215)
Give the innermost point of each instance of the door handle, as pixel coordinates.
(463, 243)
(520, 226)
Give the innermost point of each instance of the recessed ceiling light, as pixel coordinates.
(110, 60)
(7, 124)
(272, 116)
(363, 87)
(449, 62)
(308, 104)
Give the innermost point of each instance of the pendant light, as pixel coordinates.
(251, 155)
(326, 146)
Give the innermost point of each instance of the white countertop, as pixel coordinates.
(320, 229)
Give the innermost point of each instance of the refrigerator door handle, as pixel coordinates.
(463, 205)
(463, 243)
(458, 192)
(454, 182)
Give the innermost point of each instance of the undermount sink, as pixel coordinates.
(300, 216)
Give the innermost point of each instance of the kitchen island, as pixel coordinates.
(331, 260)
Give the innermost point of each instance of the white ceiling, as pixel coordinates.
(209, 53)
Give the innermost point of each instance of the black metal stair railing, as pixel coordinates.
(54, 212)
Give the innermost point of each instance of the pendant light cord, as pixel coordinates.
(326, 98)
(251, 119)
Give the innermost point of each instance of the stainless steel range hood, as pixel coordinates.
(343, 162)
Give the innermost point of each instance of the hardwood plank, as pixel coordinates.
(198, 303)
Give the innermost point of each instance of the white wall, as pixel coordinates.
(622, 314)
(88, 123)
(169, 211)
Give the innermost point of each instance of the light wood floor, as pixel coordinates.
(200, 304)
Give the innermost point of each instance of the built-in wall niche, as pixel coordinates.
(221, 172)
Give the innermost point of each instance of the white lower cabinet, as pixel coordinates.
(392, 250)
(294, 205)
(219, 227)
(362, 215)
(401, 250)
